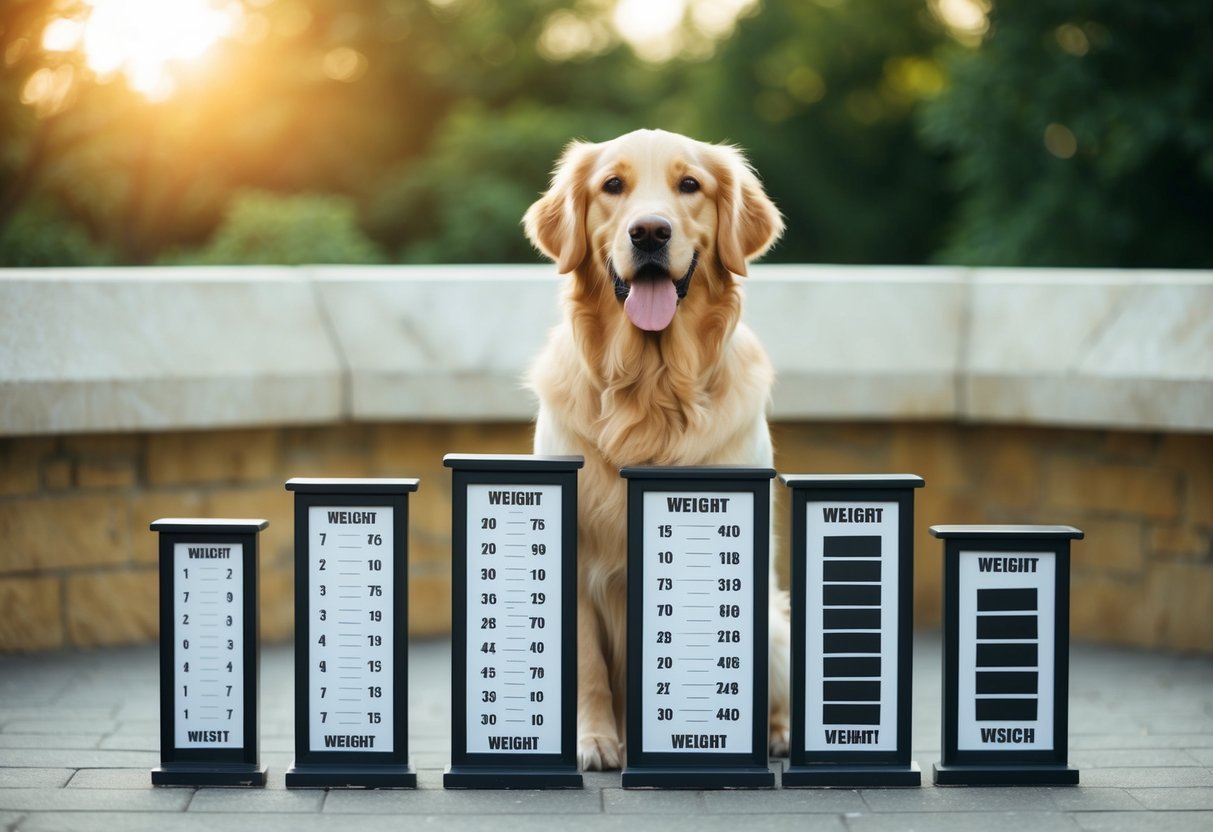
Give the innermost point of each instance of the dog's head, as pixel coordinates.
(642, 215)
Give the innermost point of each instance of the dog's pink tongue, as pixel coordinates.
(651, 303)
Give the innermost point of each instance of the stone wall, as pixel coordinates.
(78, 563)
(1045, 396)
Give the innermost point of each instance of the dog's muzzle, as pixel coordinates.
(622, 287)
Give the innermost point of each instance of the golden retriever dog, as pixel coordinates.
(651, 365)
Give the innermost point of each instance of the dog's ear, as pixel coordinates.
(747, 222)
(555, 223)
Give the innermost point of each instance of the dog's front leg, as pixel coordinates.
(779, 673)
(597, 739)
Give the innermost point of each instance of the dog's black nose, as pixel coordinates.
(650, 232)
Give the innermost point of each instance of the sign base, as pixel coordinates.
(351, 777)
(194, 774)
(1005, 775)
(501, 777)
(697, 777)
(828, 776)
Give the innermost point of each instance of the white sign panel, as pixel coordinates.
(852, 580)
(698, 621)
(208, 610)
(1005, 660)
(513, 620)
(350, 671)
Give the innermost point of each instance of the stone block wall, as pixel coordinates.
(78, 563)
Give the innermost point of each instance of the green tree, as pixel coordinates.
(315, 97)
(263, 228)
(822, 96)
(511, 110)
(39, 235)
(1082, 135)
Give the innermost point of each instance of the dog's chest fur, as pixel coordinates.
(657, 407)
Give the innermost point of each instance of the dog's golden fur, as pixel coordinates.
(693, 393)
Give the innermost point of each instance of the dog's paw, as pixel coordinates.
(779, 742)
(596, 752)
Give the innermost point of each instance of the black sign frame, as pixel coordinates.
(513, 770)
(210, 766)
(1001, 766)
(691, 770)
(853, 768)
(352, 769)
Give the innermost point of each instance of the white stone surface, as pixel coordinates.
(133, 349)
(851, 342)
(1093, 348)
(149, 349)
(442, 343)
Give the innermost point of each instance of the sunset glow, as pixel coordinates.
(144, 40)
(657, 29)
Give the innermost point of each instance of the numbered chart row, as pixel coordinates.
(698, 635)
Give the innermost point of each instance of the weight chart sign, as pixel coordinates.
(698, 552)
(351, 633)
(698, 614)
(852, 550)
(1005, 659)
(514, 622)
(350, 657)
(1006, 636)
(851, 626)
(208, 651)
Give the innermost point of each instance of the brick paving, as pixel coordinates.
(79, 733)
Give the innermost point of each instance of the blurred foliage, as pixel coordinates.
(420, 130)
(1082, 135)
(264, 229)
(822, 97)
(464, 201)
(39, 236)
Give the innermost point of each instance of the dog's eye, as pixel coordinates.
(614, 185)
(688, 185)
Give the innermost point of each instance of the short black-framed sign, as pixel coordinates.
(852, 592)
(351, 633)
(209, 652)
(513, 622)
(698, 556)
(1006, 655)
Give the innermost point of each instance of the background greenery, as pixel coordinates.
(1068, 133)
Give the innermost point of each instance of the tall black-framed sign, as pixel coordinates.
(852, 592)
(513, 622)
(698, 555)
(351, 633)
(1006, 655)
(209, 653)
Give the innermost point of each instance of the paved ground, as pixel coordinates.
(79, 732)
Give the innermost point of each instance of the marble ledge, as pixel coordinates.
(92, 350)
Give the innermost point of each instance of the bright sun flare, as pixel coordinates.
(652, 27)
(144, 39)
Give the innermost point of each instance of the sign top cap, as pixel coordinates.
(512, 462)
(209, 525)
(1008, 532)
(840, 481)
(698, 472)
(352, 485)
